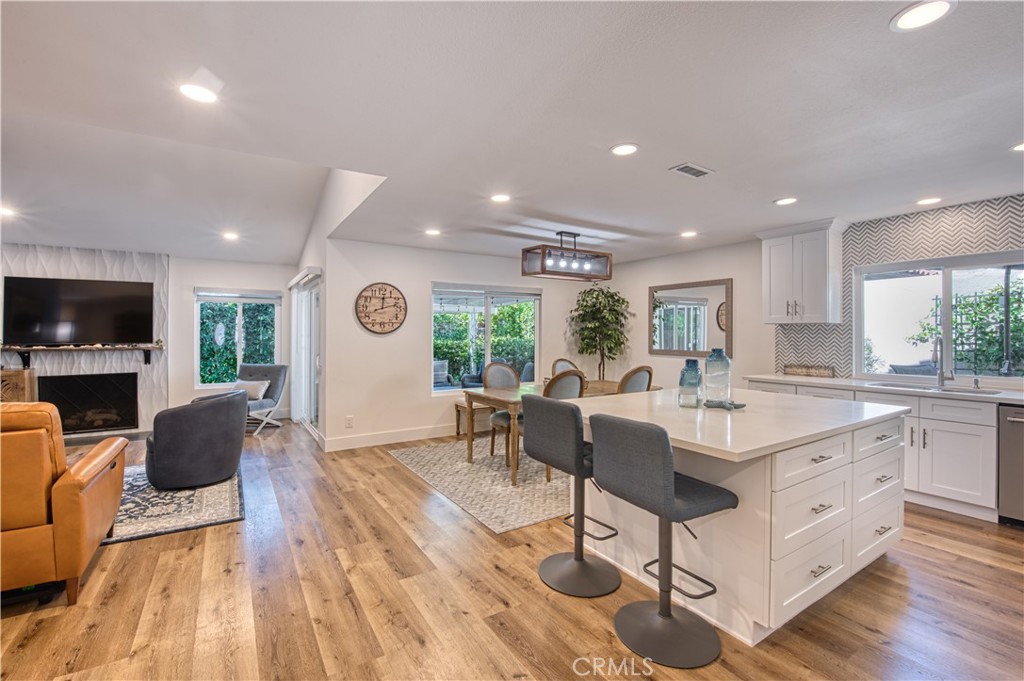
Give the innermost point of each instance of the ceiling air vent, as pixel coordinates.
(691, 170)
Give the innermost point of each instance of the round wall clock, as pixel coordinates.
(380, 308)
(721, 316)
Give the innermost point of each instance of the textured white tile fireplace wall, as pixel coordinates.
(82, 263)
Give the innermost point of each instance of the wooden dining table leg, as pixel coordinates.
(470, 427)
(513, 413)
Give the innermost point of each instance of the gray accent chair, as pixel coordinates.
(633, 460)
(261, 411)
(197, 444)
(555, 438)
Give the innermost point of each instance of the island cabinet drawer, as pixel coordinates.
(809, 573)
(961, 411)
(793, 466)
(771, 387)
(877, 438)
(877, 478)
(827, 393)
(876, 530)
(886, 398)
(804, 512)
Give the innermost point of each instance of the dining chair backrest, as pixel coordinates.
(555, 435)
(565, 386)
(500, 375)
(636, 380)
(561, 365)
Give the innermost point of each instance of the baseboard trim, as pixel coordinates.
(951, 505)
(387, 437)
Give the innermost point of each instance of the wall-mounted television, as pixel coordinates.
(76, 311)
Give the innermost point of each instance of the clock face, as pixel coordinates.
(380, 308)
(721, 316)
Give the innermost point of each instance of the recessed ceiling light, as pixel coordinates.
(784, 202)
(921, 14)
(688, 234)
(432, 232)
(1019, 147)
(7, 212)
(501, 198)
(929, 201)
(231, 236)
(625, 149)
(203, 86)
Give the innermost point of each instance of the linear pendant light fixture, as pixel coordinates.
(564, 262)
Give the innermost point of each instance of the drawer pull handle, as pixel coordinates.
(822, 569)
(883, 438)
(788, 313)
(821, 459)
(1013, 419)
(820, 508)
(883, 478)
(883, 529)
(924, 438)
(911, 436)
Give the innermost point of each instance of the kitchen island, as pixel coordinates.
(820, 484)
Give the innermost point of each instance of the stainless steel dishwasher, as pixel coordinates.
(1011, 465)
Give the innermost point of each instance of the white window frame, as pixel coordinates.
(220, 295)
(487, 291)
(947, 264)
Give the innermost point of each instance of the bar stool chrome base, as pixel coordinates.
(587, 578)
(684, 640)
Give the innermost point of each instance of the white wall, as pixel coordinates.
(188, 273)
(753, 342)
(384, 382)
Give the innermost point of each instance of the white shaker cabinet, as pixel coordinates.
(800, 273)
(957, 461)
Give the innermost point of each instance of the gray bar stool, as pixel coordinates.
(555, 437)
(633, 461)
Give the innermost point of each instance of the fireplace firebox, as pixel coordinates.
(91, 402)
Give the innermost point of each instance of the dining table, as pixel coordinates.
(511, 400)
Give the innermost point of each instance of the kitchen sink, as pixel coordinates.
(971, 391)
(937, 389)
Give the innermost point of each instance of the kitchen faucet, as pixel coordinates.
(939, 358)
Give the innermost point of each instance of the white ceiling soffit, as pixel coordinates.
(454, 102)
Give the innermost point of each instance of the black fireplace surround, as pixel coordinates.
(92, 402)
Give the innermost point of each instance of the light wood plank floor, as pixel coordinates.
(347, 565)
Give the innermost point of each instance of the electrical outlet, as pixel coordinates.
(350, 421)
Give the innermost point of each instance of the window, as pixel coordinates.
(474, 327)
(234, 327)
(679, 323)
(975, 304)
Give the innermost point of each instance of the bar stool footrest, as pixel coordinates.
(567, 521)
(712, 590)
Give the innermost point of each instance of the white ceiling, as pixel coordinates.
(453, 102)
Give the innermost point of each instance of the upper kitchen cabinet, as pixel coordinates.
(800, 273)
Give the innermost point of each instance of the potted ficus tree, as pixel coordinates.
(598, 324)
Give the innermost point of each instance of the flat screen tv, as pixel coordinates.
(76, 311)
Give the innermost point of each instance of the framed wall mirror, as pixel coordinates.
(687, 320)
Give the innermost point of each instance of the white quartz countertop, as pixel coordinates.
(769, 423)
(871, 385)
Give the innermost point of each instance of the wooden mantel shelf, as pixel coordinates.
(25, 351)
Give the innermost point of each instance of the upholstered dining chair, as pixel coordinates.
(636, 380)
(566, 385)
(562, 364)
(501, 375)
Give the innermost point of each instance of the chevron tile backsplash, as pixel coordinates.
(979, 227)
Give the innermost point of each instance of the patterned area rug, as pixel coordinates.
(484, 488)
(148, 512)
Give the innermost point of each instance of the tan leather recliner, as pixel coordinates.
(53, 517)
